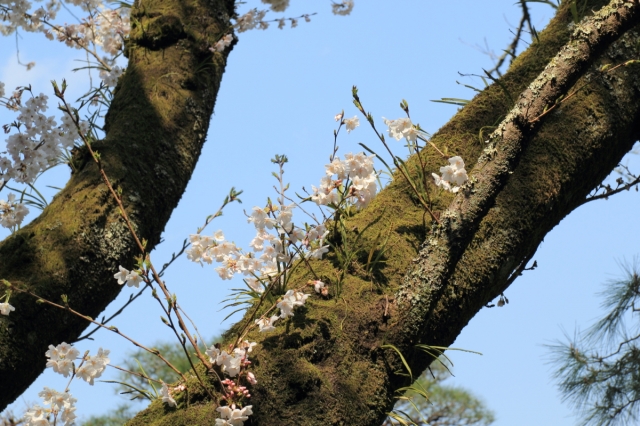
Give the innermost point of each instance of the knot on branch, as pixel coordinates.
(157, 32)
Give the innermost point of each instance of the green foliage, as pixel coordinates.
(445, 406)
(599, 371)
(117, 417)
(153, 367)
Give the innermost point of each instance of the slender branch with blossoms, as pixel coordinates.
(146, 271)
(397, 129)
(72, 311)
(453, 175)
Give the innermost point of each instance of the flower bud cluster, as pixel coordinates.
(11, 212)
(453, 176)
(320, 287)
(234, 390)
(62, 409)
(61, 360)
(356, 181)
(234, 364)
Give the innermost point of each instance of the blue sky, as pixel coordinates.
(278, 96)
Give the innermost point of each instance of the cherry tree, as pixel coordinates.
(452, 241)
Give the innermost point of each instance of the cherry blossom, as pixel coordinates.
(122, 275)
(62, 409)
(166, 396)
(93, 366)
(250, 20)
(6, 308)
(231, 416)
(222, 44)
(401, 128)
(266, 324)
(356, 170)
(61, 358)
(454, 173)
(351, 123)
(111, 77)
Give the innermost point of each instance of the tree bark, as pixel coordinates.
(155, 130)
(327, 364)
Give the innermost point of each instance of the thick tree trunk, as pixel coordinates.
(156, 127)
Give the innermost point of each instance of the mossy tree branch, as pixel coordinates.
(155, 129)
(327, 365)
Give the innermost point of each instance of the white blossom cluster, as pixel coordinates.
(453, 176)
(255, 18)
(231, 363)
(61, 360)
(250, 20)
(12, 213)
(62, 409)
(38, 143)
(112, 28)
(291, 300)
(402, 128)
(104, 27)
(262, 268)
(343, 8)
(110, 78)
(132, 278)
(86, 5)
(356, 181)
(1, 89)
(222, 44)
(232, 416)
(93, 366)
(107, 29)
(16, 14)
